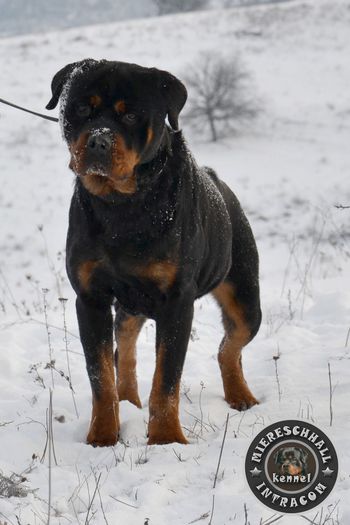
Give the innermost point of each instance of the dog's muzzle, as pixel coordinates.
(99, 152)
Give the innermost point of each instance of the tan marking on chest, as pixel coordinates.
(163, 273)
(85, 272)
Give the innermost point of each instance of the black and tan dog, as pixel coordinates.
(149, 232)
(292, 461)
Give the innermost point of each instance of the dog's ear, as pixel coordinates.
(303, 454)
(58, 82)
(62, 76)
(278, 456)
(175, 95)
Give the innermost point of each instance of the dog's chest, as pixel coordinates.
(139, 282)
(143, 287)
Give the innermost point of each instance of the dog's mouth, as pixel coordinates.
(96, 169)
(101, 172)
(292, 469)
(101, 180)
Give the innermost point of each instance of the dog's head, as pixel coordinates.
(113, 118)
(291, 460)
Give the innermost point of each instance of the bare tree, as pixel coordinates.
(175, 6)
(218, 95)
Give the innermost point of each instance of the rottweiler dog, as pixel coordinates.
(291, 460)
(149, 232)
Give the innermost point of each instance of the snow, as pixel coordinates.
(289, 170)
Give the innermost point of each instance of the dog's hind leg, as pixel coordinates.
(127, 329)
(241, 321)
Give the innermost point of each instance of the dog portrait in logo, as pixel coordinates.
(149, 233)
(292, 461)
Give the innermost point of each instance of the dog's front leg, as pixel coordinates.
(96, 333)
(172, 335)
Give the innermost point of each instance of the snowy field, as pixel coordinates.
(290, 170)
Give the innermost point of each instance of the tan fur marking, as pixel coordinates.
(126, 336)
(163, 273)
(95, 101)
(77, 150)
(237, 392)
(119, 106)
(85, 271)
(104, 426)
(294, 470)
(100, 186)
(150, 135)
(124, 161)
(164, 425)
(122, 178)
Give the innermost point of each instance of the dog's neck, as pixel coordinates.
(151, 212)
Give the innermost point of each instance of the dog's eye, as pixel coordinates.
(83, 110)
(129, 118)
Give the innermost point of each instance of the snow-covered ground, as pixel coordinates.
(289, 170)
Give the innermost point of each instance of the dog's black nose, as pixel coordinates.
(99, 143)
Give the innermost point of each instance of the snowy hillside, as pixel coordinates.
(34, 16)
(290, 170)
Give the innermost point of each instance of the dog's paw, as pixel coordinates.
(165, 440)
(101, 441)
(104, 429)
(243, 402)
(162, 433)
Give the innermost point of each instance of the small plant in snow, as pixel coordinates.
(276, 358)
(13, 486)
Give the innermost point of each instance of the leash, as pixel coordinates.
(46, 117)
